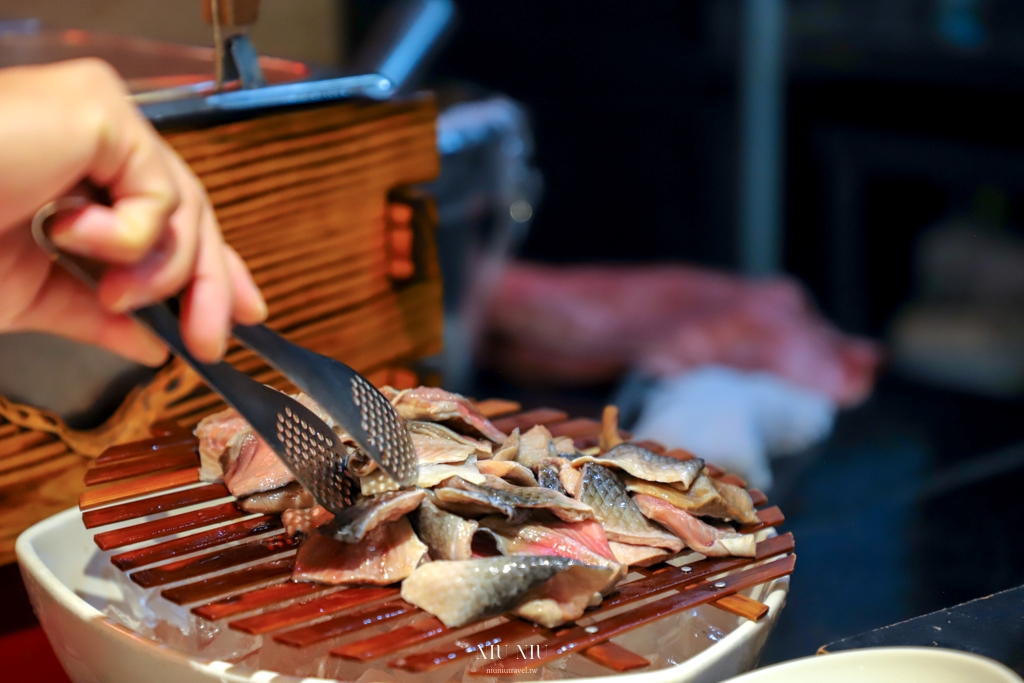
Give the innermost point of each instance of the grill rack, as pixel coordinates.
(161, 475)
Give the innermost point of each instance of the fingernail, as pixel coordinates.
(263, 310)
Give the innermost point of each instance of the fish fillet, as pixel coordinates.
(701, 537)
(463, 497)
(386, 555)
(638, 555)
(644, 464)
(353, 523)
(214, 432)
(305, 520)
(547, 476)
(565, 596)
(432, 475)
(509, 470)
(292, 496)
(438, 405)
(737, 501)
(534, 446)
(448, 536)
(619, 515)
(255, 466)
(702, 498)
(436, 443)
(510, 449)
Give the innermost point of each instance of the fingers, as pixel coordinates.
(250, 307)
(66, 307)
(207, 307)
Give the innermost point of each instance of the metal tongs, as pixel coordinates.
(305, 443)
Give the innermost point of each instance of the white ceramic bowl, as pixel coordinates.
(59, 564)
(886, 665)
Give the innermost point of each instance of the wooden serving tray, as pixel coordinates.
(162, 475)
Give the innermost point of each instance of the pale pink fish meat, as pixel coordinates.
(644, 464)
(432, 475)
(353, 523)
(737, 501)
(292, 496)
(462, 497)
(255, 467)
(509, 470)
(638, 555)
(564, 445)
(510, 449)
(701, 499)
(436, 443)
(214, 432)
(448, 536)
(701, 537)
(583, 541)
(462, 592)
(387, 554)
(437, 405)
(535, 445)
(622, 520)
(565, 596)
(305, 520)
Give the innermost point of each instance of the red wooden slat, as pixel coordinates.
(757, 497)
(524, 421)
(153, 505)
(392, 641)
(320, 607)
(176, 547)
(192, 567)
(615, 657)
(137, 487)
(338, 626)
(578, 638)
(679, 454)
(468, 646)
(168, 428)
(497, 407)
(734, 479)
(166, 526)
(261, 597)
(578, 428)
(149, 446)
(652, 446)
(228, 583)
(176, 458)
(769, 517)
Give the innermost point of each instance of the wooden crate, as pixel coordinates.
(303, 196)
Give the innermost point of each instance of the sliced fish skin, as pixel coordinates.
(644, 464)
(701, 537)
(509, 470)
(582, 541)
(436, 443)
(460, 496)
(459, 593)
(214, 433)
(353, 523)
(437, 405)
(638, 555)
(255, 466)
(702, 498)
(290, 497)
(737, 501)
(448, 536)
(386, 555)
(547, 476)
(510, 449)
(432, 475)
(305, 520)
(534, 446)
(565, 596)
(619, 515)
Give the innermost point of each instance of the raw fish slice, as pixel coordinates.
(214, 433)
(547, 476)
(448, 536)
(461, 496)
(565, 596)
(737, 501)
(644, 464)
(459, 593)
(510, 449)
(387, 554)
(701, 499)
(564, 445)
(619, 515)
(290, 497)
(305, 521)
(509, 470)
(583, 541)
(255, 466)
(534, 446)
(638, 555)
(353, 523)
(569, 476)
(435, 443)
(703, 538)
(378, 481)
(438, 405)
(432, 475)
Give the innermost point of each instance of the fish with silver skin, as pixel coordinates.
(448, 536)
(622, 520)
(353, 523)
(644, 464)
(703, 498)
(386, 554)
(459, 593)
(437, 405)
(462, 497)
(547, 476)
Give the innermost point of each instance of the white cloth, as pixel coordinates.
(735, 419)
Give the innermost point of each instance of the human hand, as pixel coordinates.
(66, 123)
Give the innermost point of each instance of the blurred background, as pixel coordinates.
(782, 233)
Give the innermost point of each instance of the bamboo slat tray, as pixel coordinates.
(161, 475)
(309, 199)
